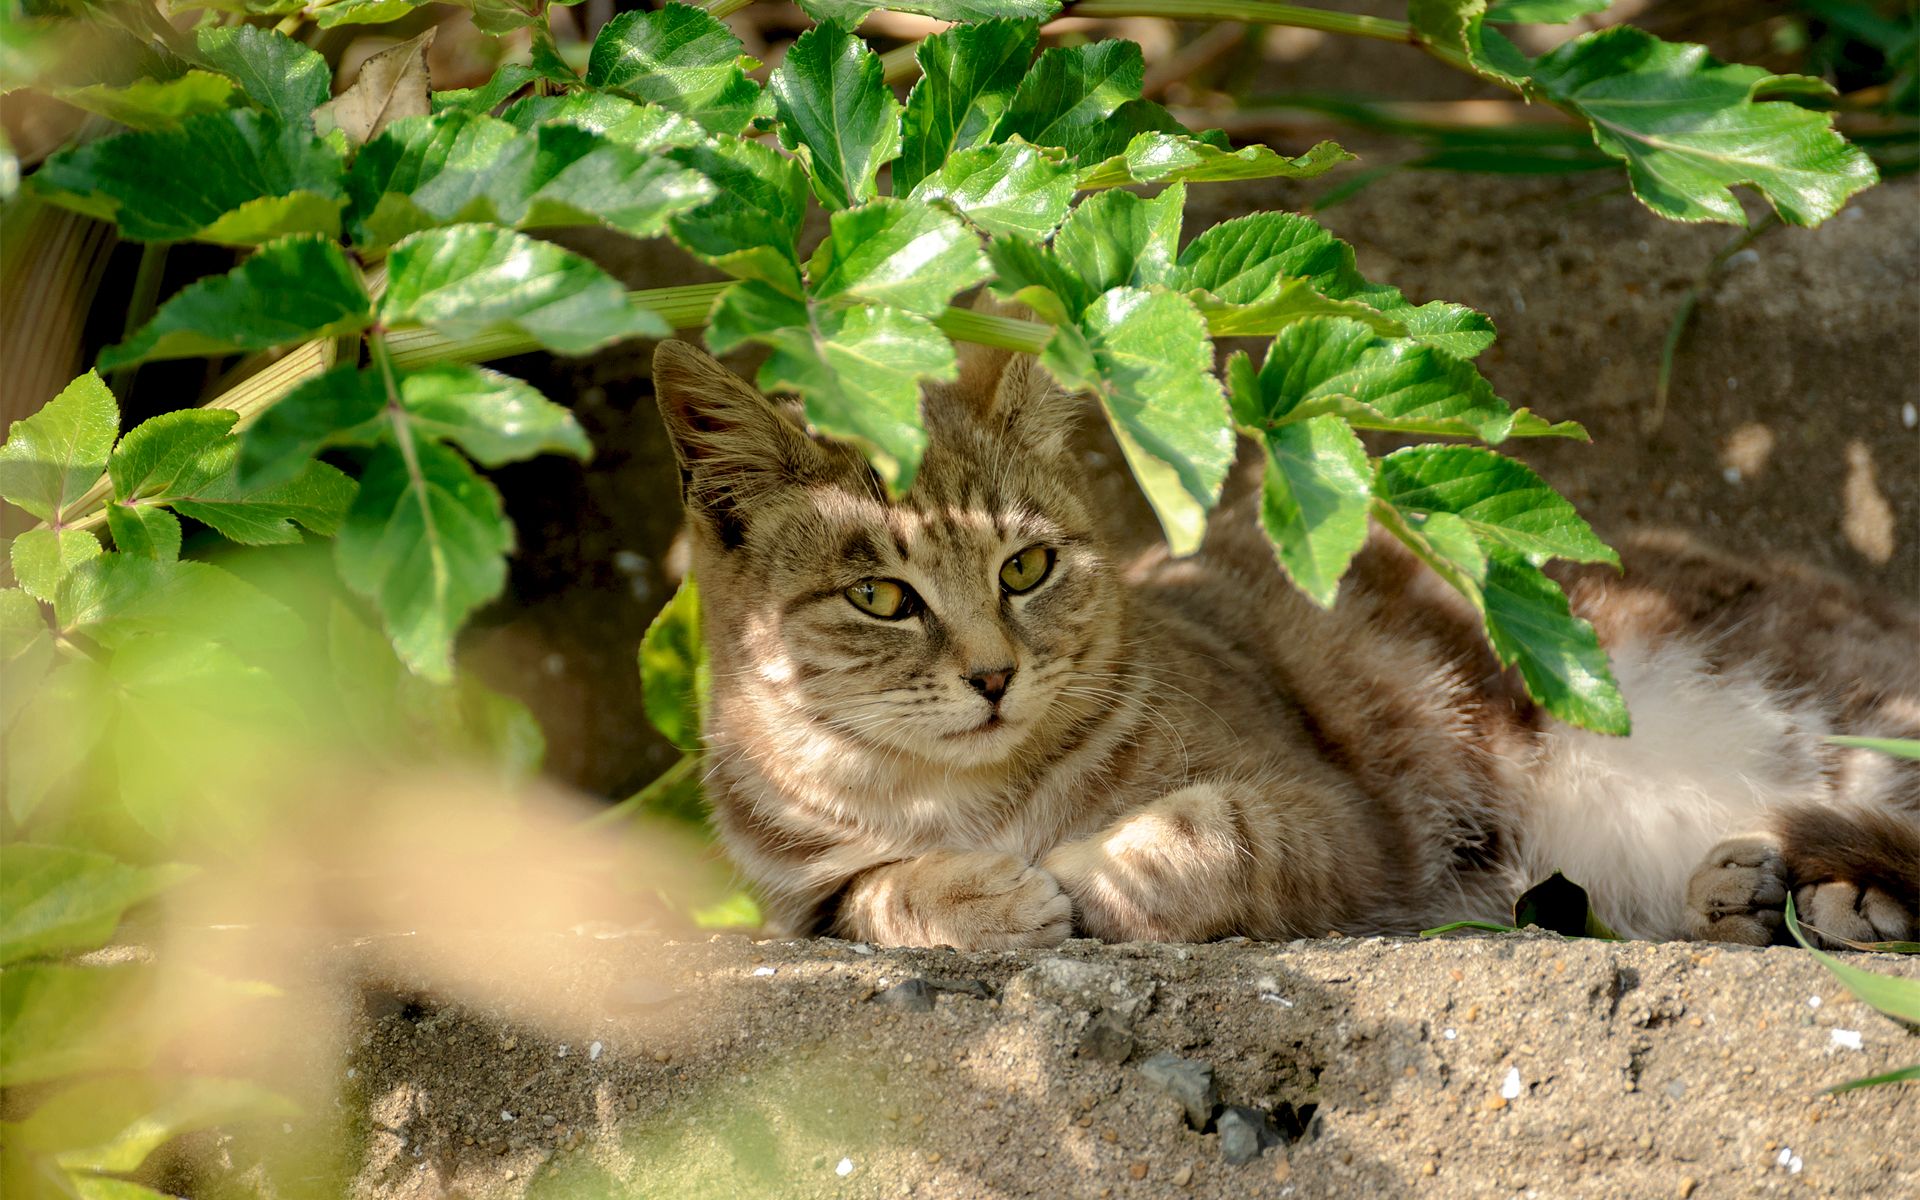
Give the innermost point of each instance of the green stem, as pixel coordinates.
(1257, 12)
(140, 305)
(723, 9)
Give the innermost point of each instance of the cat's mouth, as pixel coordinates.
(993, 724)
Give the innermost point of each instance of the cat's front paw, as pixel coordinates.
(964, 899)
(1738, 893)
(1835, 912)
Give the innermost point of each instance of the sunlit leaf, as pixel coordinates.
(1116, 239)
(851, 12)
(1072, 90)
(968, 74)
(1314, 501)
(52, 457)
(1505, 505)
(58, 899)
(673, 668)
(144, 529)
(1178, 158)
(495, 418)
(279, 74)
(117, 598)
(153, 103)
(681, 58)
(342, 407)
(41, 558)
(898, 253)
(837, 113)
(748, 228)
(60, 1020)
(1006, 188)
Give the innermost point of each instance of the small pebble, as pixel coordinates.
(1848, 1038)
(763, 972)
(844, 1167)
(1686, 1187)
(1138, 1170)
(1183, 1177)
(1510, 1087)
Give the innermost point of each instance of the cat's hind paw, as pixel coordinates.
(1836, 912)
(1739, 893)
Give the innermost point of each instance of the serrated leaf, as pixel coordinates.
(897, 253)
(681, 58)
(421, 173)
(748, 228)
(857, 370)
(363, 12)
(264, 514)
(52, 457)
(1179, 158)
(1008, 188)
(580, 178)
(146, 530)
(1508, 508)
(241, 155)
(635, 126)
(1542, 12)
(1117, 239)
(392, 84)
(1314, 502)
(343, 407)
(495, 418)
(117, 598)
(57, 899)
(1460, 25)
(154, 103)
(837, 113)
(851, 12)
(41, 558)
(472, 279)
(426, 541)
(1071, 91)
(968, 74)
(1558, 654)
(115, 1123)
(160, 454)
(279, 74)
(1147, 356)
(1689, 129)
(1029, 273)
(506, 81)
(673, 668)
(291, 290)
(1294, 300)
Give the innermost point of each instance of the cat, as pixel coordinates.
(953, 718)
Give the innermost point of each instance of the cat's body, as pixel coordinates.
(1035, 741)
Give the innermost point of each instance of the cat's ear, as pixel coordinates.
(1031, 410)
(734, 447)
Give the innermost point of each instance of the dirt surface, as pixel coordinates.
(1517, 1065)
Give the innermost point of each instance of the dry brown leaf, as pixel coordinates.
(392, 84)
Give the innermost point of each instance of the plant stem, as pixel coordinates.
(1683, 317)
(1258, 12)
(722, 9)
(140, 305)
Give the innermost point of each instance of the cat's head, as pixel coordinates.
(950, 624)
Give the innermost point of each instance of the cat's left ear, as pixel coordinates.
(1031, 410)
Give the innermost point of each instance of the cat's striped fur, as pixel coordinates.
(1187, 748)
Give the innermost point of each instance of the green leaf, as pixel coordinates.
(748, 228)
(1460, 25)
(635, 126)
(115, 1123)
(41, 558)
(495, 418)
(581, 178)
(1505, 505)
(58, 899)
(1542, 12)
(1117, 239)
(851, 12)
(279, 74)
(242, 156)
(426, 540)
(681, 58)
(1689, 129)
(342, 407)
(1530, 626)
(1897, 998)
(391, 85)
(421, 173)
(119, 598)
(837, 113)
(968, 74)
(363, 12)
(506, 81)
(292, 290)
(1155, 157)
(473, 279)
(1560, 905)
(673, 668)
(1071, 91)
(52, 457)
(1902, 1075)
(1323, 364)
(60, 1020)
(1008, 188)
(1898, 747)
(53, 740)
(898, 253)
(26, 655)
(264, 514)
(159, 455)
(1314, 502)
(1148, 358)
(153, 103)
(145, 530)
(1292, 300)
(858, 370)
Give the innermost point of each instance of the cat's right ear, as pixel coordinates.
(734, 447)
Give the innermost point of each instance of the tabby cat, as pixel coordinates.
(953, 718)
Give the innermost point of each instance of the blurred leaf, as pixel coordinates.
(1689, 129)
(968, 74)
(118, 598)
(1178, 158)
(1314, 502)
(1543, 12)
(837, 113)
(1505, 505)
(115, 1123)
(1148, 358)
(144, 529)
(426, 540)
(1290, 301)
(673, 668)
(26, 654)
(54, 737)
(153, 103)
(495, 418)
(1560, 905)
(1903, 1075)
(583, 177)
(851, 12)
(363, 12)
(473, 279)
(678, 57)
(1452, 926)
(898, 253)
(272, 179)
(279, 74)
(41, 558)
(1897, 998)
(292, 290)
(737, 911)
(748, 228)
(1071, 91)
(58, 899)
(60, 1020)
(52, 457)
(1007, 188)
(1898, 747)
(392, 84)
(858, 370)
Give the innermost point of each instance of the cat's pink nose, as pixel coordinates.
(991, 684)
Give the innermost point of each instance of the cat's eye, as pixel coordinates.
(887, 599)
(1024, 571)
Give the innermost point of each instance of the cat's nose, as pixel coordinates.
(991, 684)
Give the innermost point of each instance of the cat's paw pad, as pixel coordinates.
(1739, 893)
(997, 902)
(1835, 912)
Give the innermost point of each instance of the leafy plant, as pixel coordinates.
(1897, 998)
(1555, 904)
